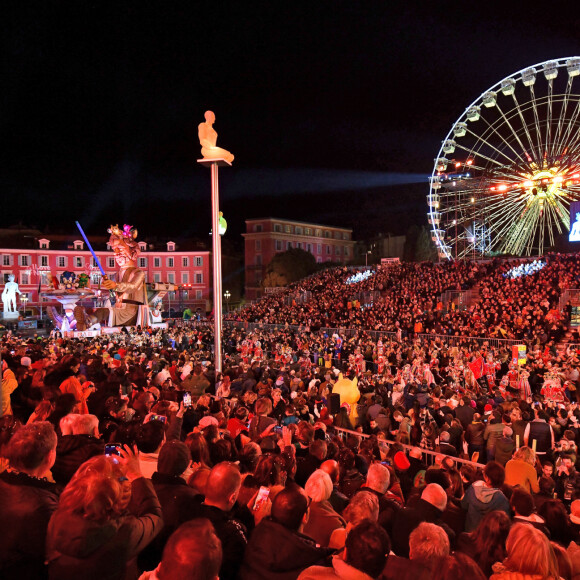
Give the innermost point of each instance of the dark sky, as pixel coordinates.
(334, 110)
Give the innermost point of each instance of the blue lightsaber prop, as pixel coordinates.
(98, 262)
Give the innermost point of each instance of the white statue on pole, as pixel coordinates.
(9, 294)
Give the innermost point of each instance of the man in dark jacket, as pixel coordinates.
(465, 412)
(27, 500)
(74, 449)
(222, 489)
(427, 509)
(306, 466)
(277, 549)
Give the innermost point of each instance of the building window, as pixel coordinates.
(258, 228)
(78, 262)
(318, 233)
(143, 246)
(258, 259)
(171, 277)
(142, 262)
(307, 231)
(278, 245)
(7, 260)
(170, 246)
(24, 279)
(199, 261)
(61, 262)
(277, 227)
(110, 262)
(328, 249)
(95, 278)
(43, 261)
(170, 262)
(24, 260)
(319, 259)
(298, 231)
(288, 245)
(199, 278)
(345, 236)
(184, 277)
(78, 244)
(258, 245)
(44, 279)
(337, 250)
(346, 250)
(309, 248)
(299, 245)
(198, 294)
(157, 262)
(319, 248)
(326, 234)
(157, 277)
(185, 262)
(288, 229)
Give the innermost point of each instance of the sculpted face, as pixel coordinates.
(210, 117)
(123, 253)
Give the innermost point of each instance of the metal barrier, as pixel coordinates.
(430, 454)
(453, 340)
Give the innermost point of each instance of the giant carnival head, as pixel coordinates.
(124, 243)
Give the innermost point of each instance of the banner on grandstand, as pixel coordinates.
(574, 235)
(575, 316)
(519, 356)
(389, 261)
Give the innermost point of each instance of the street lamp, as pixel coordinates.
(227, 296)
(24, 299)
(367, 257)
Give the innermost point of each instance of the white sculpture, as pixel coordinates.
(9, 294)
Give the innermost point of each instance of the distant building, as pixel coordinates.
(381, 246)
(266, 237)
(34, 257)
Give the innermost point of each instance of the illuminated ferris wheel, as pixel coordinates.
(509, 167)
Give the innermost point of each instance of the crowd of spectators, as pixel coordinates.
(128, 455)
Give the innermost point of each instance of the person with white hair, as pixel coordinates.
(323, 519)
(80, 442)
(429, 508)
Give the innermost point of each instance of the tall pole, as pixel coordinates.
(214, 165)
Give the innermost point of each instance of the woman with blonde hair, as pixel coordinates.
(363, 506)
(92, 528)
(520, 470)
(530, 556)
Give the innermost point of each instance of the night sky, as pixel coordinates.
(334, 110)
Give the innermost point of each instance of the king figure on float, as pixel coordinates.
(130, 307)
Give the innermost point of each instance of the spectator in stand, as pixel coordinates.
(523, 510)
(485, 495)
(27, 501)
(93, 529)
(520, 470)
(558, 523)
(474, 437)
(539, 431)
(322, 519)
(547, 487)
(529, 555)
(193, 552)
(364, 557)
(363, 506)
(337, 499)
(505, 446)
(457, 565)
(277, 549)
(150, 439)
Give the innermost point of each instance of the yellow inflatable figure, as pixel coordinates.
(349, 393)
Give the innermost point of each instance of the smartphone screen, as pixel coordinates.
(161, 418)
(262, 496)
(112, 449)
(187, 399)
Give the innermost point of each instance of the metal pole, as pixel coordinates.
(217, 268)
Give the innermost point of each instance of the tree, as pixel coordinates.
(425, 250)
(287, 267)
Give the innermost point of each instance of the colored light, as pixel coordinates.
(558, 179)
(470, 162)
(576, 176)
(502, 187)
(458, 164)
(528, 183)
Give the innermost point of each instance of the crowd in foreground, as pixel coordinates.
(129, 456)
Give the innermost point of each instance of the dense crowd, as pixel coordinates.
(516, 299)
(129, 456)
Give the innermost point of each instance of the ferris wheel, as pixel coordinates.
(508, 169)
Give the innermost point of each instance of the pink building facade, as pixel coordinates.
(190, 271)
(266, 237)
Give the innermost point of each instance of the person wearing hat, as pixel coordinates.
(179, 502)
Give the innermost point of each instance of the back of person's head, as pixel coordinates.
(319, 486)
(193, 552)
(457, 565)
(268, 470)
(223, 483)
(318, 449)
(367, 547)
(150, 436)
(547, 485)
(263, 406)
(174, 458)
(564, 562)
(99, 490)
(198, 447)
(378, 478)
(85, 425)
(331, 467)
(364, 505)
(241, 414)
(435, 495)
(494, 473)
(444, 437)
(31, 446)
(428, 543)
(9, 424)
(526, 454)
(289, 508)
(522, 503)
(438, 476)
(529, 552)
